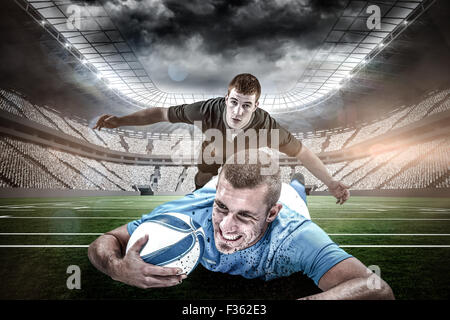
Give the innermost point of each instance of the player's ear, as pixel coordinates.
(273, 212)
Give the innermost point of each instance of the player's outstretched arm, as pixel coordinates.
(107, 254)
(317, 168)
(139, 118)
(351, 280)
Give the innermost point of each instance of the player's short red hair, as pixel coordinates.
(246, 83)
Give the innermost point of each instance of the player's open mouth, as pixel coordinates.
(229, 238)
(236, 120)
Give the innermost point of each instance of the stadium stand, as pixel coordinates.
(21, 170)
(420, 110)
(315, 144)
(377, 128)
(444, 184)
(431, 162)
(169, 178)
(136, 145)
(337, 140)
(421, 166)
(432, 103)
(112, 141)
(130, 174)
(31, 165)
(87, 133)
(188, 184)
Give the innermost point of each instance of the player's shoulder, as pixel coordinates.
(211, 110)
(211, 186)
(300, 237)
(218, 102)
(263, 120)
(259, 112)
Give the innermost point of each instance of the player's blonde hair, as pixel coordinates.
(247, 174)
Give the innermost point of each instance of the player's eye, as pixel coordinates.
(221, 206)
(244, 215)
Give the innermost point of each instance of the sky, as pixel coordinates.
(200, 45)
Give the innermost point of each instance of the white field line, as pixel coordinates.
(17, 207)
(385, 219)
(98, 209)
(54, 204)
(49, 234)
(330, 234)
(42, 246)
(71, 208)
(355, 219)
(342, 246)
(74, 217)
(391, 234)
(393, 246)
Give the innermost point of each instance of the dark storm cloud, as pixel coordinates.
(226, 26)
(217, 39)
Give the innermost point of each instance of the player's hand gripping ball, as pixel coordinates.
(174, 240)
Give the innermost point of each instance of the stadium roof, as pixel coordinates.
(99, 45)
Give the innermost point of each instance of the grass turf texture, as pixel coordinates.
(40, 273)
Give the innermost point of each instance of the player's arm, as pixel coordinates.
(351, 280)
(318, 169)
(139, 118)
(107, 254)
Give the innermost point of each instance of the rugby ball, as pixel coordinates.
(174, 240)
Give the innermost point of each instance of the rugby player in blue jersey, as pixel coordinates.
(255, 227)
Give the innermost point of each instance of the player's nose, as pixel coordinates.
(228, 224)
(239, 111)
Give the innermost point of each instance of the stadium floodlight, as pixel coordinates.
(142, 92)
(67, 45)
(83, 61)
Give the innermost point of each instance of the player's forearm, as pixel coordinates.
(105, 254)
(314, 165)
(355, 289)
(145, 117)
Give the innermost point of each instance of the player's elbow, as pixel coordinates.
(162, 114)
(92, 252)
(304, 154)
(386, 291)
(95, 251)
(378, 290)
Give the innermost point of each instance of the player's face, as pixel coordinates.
(240, 108)
(240, 216)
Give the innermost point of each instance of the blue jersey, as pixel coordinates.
(291, 243)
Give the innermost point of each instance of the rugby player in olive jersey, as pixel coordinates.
(232, 115)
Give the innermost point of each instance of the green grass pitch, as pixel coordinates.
(407, 238)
